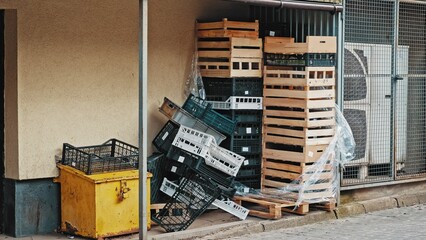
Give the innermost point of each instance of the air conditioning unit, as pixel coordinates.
(367, 101)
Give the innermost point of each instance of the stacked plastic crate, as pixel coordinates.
(230, 59)
(205, 171)
(299, 114)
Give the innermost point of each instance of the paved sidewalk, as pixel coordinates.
(398, 223)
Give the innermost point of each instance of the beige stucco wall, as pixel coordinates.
(77, 77)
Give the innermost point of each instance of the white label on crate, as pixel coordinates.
(246, 92)
(272, 33)
(245, 149)
(246, 162)
(246, 189)
(174, 168)
(181, 159)
(165, 135)
(248, 130)
(310, 154)
(73, 164)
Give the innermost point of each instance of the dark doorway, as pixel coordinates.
(1, 119)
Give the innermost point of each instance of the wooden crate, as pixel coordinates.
(231, 47)
(310, 83)
(313, 44)
(227, 28)
(280, 174)
(230, 57)
(299, 106)
(299, 154)
(232, 67)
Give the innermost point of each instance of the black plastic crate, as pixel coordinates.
(251, 182)
(113, 155)
(226, 87)
(252, 160)
(199, 165)
(181, 169)
(156, 165)
(219, 122)
(246, 145)
(247, 116)
(193, 195)
(252, 171)
(301, 60)
(196, 106)
(248, 129)
(164, 139)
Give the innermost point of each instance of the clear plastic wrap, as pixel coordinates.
(319, 182)
(194, 82)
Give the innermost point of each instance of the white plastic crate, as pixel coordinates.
(238, 103)
(224, 160)
(239, 211)
(184, 118)
(193, 141)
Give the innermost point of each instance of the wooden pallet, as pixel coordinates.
(227, 28)
(313, 44)
(270, 208)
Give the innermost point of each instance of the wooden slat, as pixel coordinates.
(281, 81)
(282, 113)
(282, 166)
(320, 132)
(227, 33)
(214, 44)
(283, 155)
(283, 131)
(321, 44)
(210, 25)
(279, 39)
(284, 140)
(298, 123)
(314, 44)
(279, 174)
(214, 54)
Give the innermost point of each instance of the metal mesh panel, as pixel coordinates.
(367, 99)
(410, 149)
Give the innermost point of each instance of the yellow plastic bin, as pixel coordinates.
(101, 205)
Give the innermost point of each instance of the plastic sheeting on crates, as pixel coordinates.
(194, 82)
(319, 182)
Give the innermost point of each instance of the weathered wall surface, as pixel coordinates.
(77, 72)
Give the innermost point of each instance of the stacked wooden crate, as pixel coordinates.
(230, 60)
(299, 115)
(229, 49)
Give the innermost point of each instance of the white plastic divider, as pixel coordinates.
(239, 211)
(238, 103)
(205, 146)
(224, 160)
(193, 141)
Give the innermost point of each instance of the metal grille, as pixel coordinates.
(296, 23)
(367, 97)
(410, 151)
(384, 89)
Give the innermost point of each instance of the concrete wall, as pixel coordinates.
(77, 73)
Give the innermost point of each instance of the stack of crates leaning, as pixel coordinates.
(195, 172)
(299, 113)
(230, 61)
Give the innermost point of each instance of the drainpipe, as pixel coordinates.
(143, 96)
(293, 4)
